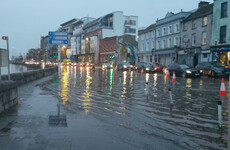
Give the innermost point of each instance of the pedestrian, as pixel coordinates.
(93, 66)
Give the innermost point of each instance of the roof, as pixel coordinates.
(201, 12)
(149, 28)
(70, 21)
(91, 23)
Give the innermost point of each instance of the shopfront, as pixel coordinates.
(221, 54)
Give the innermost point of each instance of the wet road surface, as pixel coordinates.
(116, 110)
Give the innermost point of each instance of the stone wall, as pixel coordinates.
(24, 77)
(8, 94)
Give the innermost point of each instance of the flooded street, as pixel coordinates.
(117, 110)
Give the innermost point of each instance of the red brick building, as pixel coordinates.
(108, 47)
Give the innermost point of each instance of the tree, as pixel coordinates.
(123, 51)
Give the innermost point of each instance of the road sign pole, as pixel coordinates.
(59, 60)
(0, 73)
(8, 55)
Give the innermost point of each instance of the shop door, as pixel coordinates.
(195, 60)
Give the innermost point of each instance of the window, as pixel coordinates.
(176, 28)
(151, 59)
(223, 30)
(158, 44)
(224, 9)
(158, 32)
(138, 59)
(143, 36)
(176, 39)
(193, 24)
(147, 46)
(164, 31)
(194, 39)
(204, 38)
(185, 27)
(143, 46)
(205, 21)
(153, 44)
(147, 35)
(205, 55)
(170, 30)
(111, 47)
(169, 42)
(152, 34)
(164, 44)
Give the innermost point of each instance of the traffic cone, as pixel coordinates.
(167, 73)
(222, 89)
(129, 70)
(142, 71)
(174, 77)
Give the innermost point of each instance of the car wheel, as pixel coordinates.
(213, 74)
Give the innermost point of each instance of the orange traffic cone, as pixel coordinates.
(174, 77)
(167, 73)
(222, 89)
(129, 70)
(142, 71)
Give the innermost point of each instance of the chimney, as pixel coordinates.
(203, 4)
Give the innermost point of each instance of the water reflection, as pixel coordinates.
(188, 83)
(147, 77)
(124, 77)
(64, 85)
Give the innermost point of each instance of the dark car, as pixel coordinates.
(148, 67)
(138, 66)
(183, 70)
(123, 65)
(158, 67)
(212, 69)
(107, 66)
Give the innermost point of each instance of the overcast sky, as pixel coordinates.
(25, 21)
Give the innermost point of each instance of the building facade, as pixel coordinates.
(196, 36)
(168, 35)
(220, 44)
(146, 44)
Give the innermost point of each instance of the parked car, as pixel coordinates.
(158, 67)
(123, 65)
(74, 64)
(212, 69)
(148, 67)
(138, 66)
(88, 64)
(183, 70)
(81, 64)
(107, 66)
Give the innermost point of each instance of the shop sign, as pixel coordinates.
(216, 49)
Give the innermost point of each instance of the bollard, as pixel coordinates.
(170, 96)
(220, 113)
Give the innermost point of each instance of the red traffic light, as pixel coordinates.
(4, 38)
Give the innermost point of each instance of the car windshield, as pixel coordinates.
(157, 64)
(148, 65)
(216, 64)
(126, 63)
(184, 66)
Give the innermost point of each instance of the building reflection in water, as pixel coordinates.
(155, 81)
(110, 79)
(86, 101)
(131, 78)
(64, 85)
(147, 77)
(124, 77)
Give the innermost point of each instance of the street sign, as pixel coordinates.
(71, 57)
(58, 38)
(4, 37)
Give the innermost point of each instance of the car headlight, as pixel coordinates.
(189, 72)
(125, 66)
(111, 65)
(147, 69)
(201, 71)
(155, 68)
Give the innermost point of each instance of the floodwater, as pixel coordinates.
(107, 110)
(136, 109)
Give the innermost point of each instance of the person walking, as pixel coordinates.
(93, 66)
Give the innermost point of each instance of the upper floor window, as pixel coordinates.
(170, 30)
(224, 9)
(158, 44)
(194, 39)
(223, 31)
(147, 46)
(164, 31)
(170, 42)
(152, 34)
(204, 38)
(153, 44)
(205, 21)
(143, 46)
(176, 28)
(158, 32)
(193, 24)
(185, 27)
(143, 36)
(147, 35)
(164, 44)
(176, 39)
